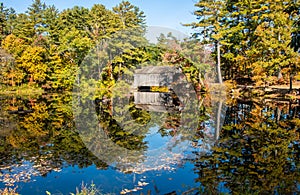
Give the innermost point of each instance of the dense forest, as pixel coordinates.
(48, 46)
(45, 48)
(255, 42)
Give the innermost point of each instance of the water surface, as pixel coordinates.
(213, 146)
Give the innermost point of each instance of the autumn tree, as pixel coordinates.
(255, 153)
(258, 36)
(50, 45)
(255, 36)
(33, 63)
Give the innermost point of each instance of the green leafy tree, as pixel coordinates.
(270, 53)
(255, 36)
(102, 23)
(6, 17)
(76, 17)
(211, 15)
(30, 24)
(24, 28)
(74, 41)
(51, 27)
(199, 55)
(75, 45)
(60, 72)
(49, 46)
(129, 15)
(36, 15)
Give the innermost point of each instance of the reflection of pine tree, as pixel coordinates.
(255, 152)
(45, 137)
(124, 135)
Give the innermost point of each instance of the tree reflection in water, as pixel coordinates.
(118, 133)
(39, 142)
(257, 152)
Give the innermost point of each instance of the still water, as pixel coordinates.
(58, 142)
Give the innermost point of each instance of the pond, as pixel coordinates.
(58, 142)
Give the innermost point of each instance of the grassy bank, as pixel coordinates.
(82, 190)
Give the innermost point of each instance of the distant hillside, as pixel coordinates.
(154, 31)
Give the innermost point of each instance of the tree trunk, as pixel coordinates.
(200, 79)
(219, 63)
(219, 125)
(278, 115)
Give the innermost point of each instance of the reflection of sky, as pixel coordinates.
(110, 181)
(162, 153)
(209, 129)
(154, 139)
(114, 181)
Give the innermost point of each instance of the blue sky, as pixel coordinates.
(164, 13)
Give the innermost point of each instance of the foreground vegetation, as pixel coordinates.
(83, 190)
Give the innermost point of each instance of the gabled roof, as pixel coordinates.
(157, 70)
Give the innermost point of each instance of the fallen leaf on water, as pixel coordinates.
(142, 183)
